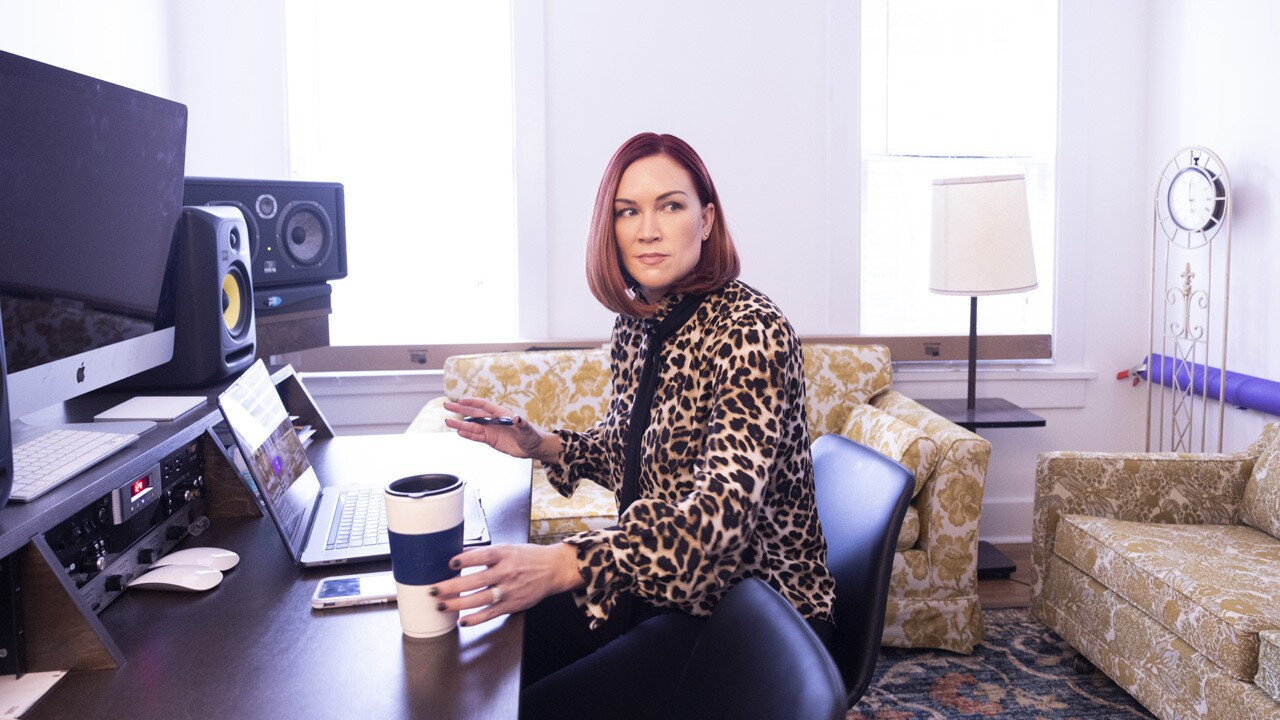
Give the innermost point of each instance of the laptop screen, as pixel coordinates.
(277, 461)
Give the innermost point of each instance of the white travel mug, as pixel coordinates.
(424, 526)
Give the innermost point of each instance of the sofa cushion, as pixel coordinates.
(1268, 677)
(554, 517)
(895, 439)
(1153, 664)
(839, 378)
(553, 388)
(1260, 506)
(1214, 586)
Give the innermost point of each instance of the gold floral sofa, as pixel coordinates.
(1163, 570)
(933, 596)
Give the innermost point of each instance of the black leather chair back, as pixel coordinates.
(862, 498)
(757, 659)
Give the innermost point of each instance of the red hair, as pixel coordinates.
(609, 281)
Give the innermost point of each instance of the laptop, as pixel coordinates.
(321, 523)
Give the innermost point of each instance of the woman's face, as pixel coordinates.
(660, 223)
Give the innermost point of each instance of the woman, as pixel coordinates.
(705, 444)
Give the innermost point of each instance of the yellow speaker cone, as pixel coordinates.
(232, 303)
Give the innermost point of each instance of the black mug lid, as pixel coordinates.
(419, 486)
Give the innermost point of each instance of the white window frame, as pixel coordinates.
(526, 257)
(1019, 347)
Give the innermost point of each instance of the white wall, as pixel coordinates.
(1213, 68)
(228, 62)
(767, 94)
(123, 42)
(224, 60)
(746, 85)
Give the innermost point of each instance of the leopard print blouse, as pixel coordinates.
(726, 479)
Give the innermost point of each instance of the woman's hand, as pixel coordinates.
(514, 578)
(521, 439)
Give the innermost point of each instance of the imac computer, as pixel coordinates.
(91, 182)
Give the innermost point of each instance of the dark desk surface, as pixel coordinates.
(254, 648)
(987, 413)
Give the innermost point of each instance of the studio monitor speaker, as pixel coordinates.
(297, 230)
(6, 442)
(214, 333)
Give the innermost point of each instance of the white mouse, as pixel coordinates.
(178, 578)
(210, 557)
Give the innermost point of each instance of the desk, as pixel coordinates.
(254, 648)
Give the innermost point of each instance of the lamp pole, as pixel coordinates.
(973, 352)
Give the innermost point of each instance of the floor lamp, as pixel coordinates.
(981, 246)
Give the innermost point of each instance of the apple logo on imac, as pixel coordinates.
(80, 373)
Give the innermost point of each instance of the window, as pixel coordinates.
(953, 88)
(409, 105)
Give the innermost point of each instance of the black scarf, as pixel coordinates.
(638, 421)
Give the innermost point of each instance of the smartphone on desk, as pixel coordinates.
(348, 590)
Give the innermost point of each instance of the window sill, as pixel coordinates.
(1028, 386)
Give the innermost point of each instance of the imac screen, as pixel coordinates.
(91, 182)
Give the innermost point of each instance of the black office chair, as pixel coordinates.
(757, 659)
(862, 498)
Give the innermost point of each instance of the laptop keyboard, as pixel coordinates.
(361, 520)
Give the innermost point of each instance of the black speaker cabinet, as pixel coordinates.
(6, 442)
(214, 334)
(297, 230)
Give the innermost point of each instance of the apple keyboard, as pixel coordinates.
(43, 463)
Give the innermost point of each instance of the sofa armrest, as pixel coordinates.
(1141, 487)
(431, 417)
(950, 501)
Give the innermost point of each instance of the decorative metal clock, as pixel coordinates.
(1191, 280)
(1192, 199)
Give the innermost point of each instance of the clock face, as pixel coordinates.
(1194, 199)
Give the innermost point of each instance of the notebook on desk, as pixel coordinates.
(320, 525)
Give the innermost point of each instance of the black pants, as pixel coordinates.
(627, 668)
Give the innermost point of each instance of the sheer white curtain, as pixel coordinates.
(953, 88)
(409, 105)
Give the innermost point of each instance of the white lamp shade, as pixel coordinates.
(981, 237)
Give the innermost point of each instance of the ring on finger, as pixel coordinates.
(497, 595)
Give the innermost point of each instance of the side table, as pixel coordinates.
(986, 413)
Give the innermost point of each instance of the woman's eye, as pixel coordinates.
(673, 207)
(624, 212)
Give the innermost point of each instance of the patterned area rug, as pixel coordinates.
(1021, 670)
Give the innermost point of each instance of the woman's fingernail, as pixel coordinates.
(433, 591)
(440, 607)
(455, 564)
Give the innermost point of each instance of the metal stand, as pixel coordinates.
(1188, 310)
